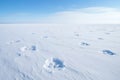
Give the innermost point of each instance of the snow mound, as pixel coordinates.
(53, 64)
(108, 52)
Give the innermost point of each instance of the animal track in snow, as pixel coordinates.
(109, 52)
(13, 41)
(31, 48)
(84, 44)
(53, 64)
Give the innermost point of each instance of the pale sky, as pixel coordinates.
(60, 11)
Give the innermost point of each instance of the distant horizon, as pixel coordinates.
(60, 12)
(55, 24)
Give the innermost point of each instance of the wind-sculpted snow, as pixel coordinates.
(59, 52)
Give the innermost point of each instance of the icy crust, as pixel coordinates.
(53, 64)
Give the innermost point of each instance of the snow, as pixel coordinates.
(23, 49)
(84, 44)
(108, 52)
(59, 52)
(53, 64)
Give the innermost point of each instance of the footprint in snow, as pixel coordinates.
(84, 44)
(53, 64)
(31, 48)
(108, 52)
(25, 50)
(14, 41)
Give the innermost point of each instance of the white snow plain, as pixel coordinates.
(37, 52)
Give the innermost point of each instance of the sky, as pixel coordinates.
(60, 11)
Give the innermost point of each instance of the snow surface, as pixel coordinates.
(59, 52)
